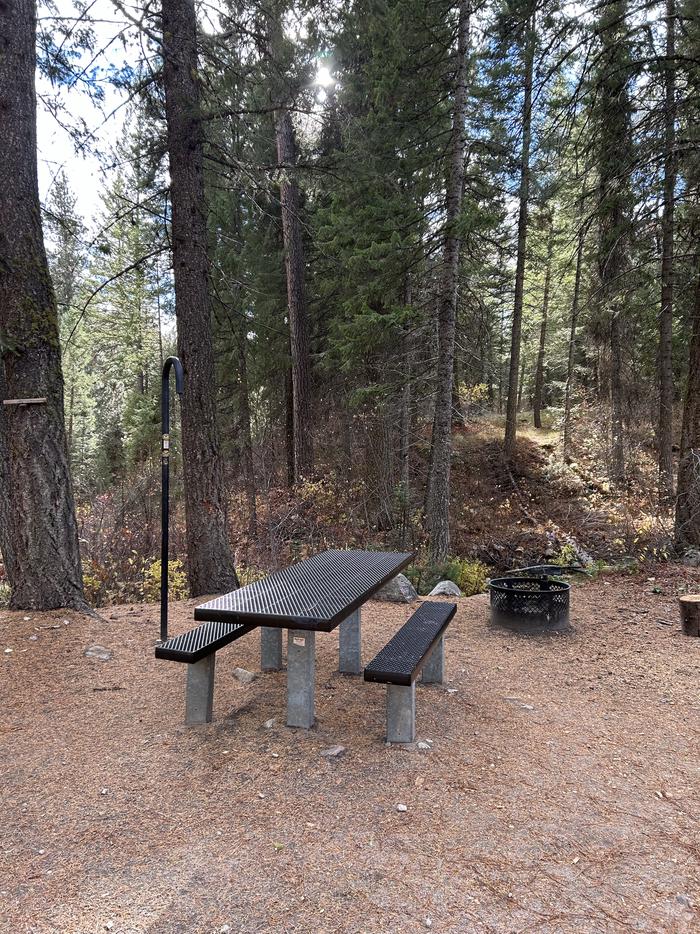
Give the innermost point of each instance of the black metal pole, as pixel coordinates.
(165, 482)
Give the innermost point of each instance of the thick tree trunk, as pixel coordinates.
(523, 211)
(566, 439)
(438, 499)
(296, 298)
(38, 530)
(687, 530)
(614, 145)
(539, 368)
(210, 562)
(664, 434)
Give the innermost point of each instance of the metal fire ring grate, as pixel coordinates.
(530, 604)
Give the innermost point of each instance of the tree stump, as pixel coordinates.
(690, 614)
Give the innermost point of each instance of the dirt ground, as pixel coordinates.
(558, 793)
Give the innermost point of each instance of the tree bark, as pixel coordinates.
(210, 562)
(405, 430)
(566, 438)
(289, 427)
(38, 529)
(296, 297)
(539, 368)
(614, 144)
(664, 434)
(523, 212)
(687, 528)
(247, 433)
(438, 499)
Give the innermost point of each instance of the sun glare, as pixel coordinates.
(323, 76)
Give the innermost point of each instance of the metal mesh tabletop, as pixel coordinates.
(317, 593)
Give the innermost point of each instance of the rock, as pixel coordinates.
(446, 589)
(332, 752)
(402, 808)
(517, 702)
(268, 724)
(398, 590)
(97, 651)
(243, 675)
(423, 745)
(691, 557)
(684, 900)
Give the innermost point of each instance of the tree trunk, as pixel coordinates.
(614, 145)
(566, 439)
(664, 433)
(246, 430)
(405, 421)
(689, 606)
(296, 299)
(39, 535)
(289, 427)
(438, 499)
(524, 197)
(210, 562)
(539, 369)
(521, 384)
(687, 530)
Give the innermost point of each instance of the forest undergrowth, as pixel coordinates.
(539, 507)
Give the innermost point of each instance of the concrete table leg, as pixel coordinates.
(350, 649)
(199, 698)
(433, 670)
(400, 713)
(270, 648)
(301, 678)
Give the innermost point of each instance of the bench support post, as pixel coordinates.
(350, 645)
(301, 677)
(199, 698)
(270, 648)
(400, 713)
(433, 670)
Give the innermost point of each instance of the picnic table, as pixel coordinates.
(318, 594)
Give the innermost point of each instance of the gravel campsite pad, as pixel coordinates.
(553, 786)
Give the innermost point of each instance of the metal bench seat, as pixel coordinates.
(417, 646)
(197, 649)
(401, 659)
(194, 645)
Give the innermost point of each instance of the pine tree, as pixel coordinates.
(38, 529)
(209, 558)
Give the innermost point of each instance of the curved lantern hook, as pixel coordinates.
(170, 363)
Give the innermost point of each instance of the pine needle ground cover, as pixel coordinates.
(554, 789)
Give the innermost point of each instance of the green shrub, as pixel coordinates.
(469, 575)
(177, 581)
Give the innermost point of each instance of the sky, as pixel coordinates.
(56, 148)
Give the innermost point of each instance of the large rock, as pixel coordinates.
(446, 589)
(398, 590)
(691, 557)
